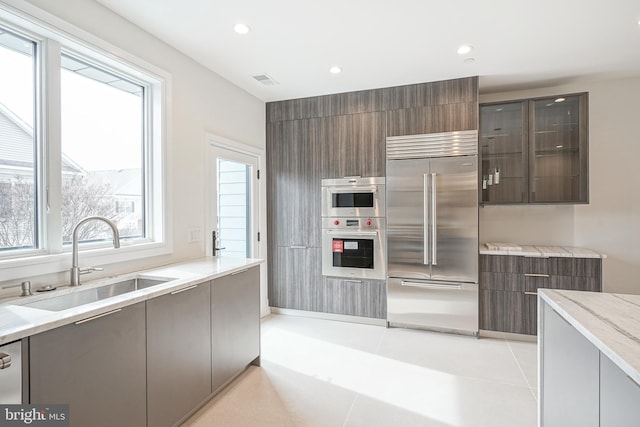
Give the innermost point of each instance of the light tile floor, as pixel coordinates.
(327, 373)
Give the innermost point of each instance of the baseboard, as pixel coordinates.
(508, 336)
(329, 316)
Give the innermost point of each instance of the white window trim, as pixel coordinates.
(56, 258)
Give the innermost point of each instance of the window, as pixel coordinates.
(18, 227)
(102, 116)
(81, 134)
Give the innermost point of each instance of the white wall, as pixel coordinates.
(610, 223)
(202, 101)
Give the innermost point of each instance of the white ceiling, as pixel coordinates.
(380, 43)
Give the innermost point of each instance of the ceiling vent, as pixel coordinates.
(265, 79)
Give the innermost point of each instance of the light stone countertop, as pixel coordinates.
(491, 248)
(611, 322)
(18, 321)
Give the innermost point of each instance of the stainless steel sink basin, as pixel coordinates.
(87, 296)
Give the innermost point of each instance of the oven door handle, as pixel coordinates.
(352, 233)
(353, 190)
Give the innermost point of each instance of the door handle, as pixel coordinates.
(456, 287)
(434, 225)
(188, 288)
(214, 240)
(425, 219)
(89, 319)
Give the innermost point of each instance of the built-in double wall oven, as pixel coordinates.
(353, 228)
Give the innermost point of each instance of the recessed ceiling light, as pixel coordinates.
(559, 100)
(464, 49)
(335, 70)
(469, 60)
(241, 28)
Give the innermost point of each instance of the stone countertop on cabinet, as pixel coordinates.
(18, 321)
(611, 322)
(490, 248)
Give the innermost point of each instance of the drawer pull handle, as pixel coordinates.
(238, 272)
(353, 281)
(297, 247)
(188, 288)
(535, 275)
(531, 293)
(108, 313)
(5, 360)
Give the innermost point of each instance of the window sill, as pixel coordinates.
(25, 268)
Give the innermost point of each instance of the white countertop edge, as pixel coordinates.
(548, 294)
(545, 251)
(37, 320)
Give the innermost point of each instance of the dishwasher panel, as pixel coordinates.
(11, 373)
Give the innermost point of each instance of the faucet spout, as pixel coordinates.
(75, 271)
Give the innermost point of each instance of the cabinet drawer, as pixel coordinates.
(536, 265)
(581, 267)
(501, 263)
(502, 281)
(365, 298)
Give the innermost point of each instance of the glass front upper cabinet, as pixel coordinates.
(535, 151)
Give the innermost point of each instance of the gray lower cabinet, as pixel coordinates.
(178, 353)
(297, 278)
(97, 366)
(355, 297)
(619, 396)
(235, 324)
(509, 286)
(570, 375)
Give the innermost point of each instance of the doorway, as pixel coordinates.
(233, 199)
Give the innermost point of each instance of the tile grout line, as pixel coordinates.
(526, 380)
(355, 398)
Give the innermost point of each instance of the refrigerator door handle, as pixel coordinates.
(425, 214)
(434, 225)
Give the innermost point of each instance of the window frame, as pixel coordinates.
(54, 37)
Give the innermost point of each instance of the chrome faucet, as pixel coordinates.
(75, 272)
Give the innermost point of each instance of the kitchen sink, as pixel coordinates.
(75, 299)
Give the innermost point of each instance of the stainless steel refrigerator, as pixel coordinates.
(432, 231)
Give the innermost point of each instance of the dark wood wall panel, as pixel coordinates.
(366, 101)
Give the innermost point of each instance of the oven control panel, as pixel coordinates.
(353, 223)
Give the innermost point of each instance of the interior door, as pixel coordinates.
(233, 211)
(407, 226)
(454, 218)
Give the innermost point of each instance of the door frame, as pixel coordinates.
(211, 143)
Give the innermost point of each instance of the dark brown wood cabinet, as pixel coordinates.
(355, 145)
(355, 297)
(535, 150)
(509, 285)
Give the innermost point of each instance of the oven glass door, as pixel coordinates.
(352, 200)
(353, 253)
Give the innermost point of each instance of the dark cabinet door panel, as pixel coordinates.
(364, 298)
(178, 354)
(502, 311)
(298, 279)
(434, 119)
(98, 367)
(355, 146)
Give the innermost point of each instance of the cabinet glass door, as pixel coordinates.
(557, 148)
(503, 139)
